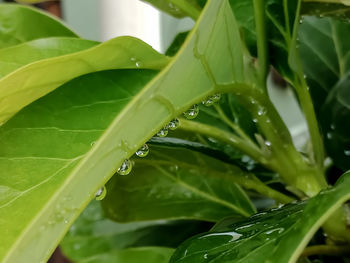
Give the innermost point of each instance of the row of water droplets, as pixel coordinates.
(190, 114)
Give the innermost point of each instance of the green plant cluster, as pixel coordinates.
(118, 153)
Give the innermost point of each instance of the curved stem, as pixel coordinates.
(330, 250)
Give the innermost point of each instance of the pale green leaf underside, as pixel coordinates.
(71, 170)
(175, 183)
(276, 236)
(20, 55)
(21, 23)
(36, 79)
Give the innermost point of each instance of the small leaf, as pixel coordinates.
(22, 23)
(278, 235)
(177, 184)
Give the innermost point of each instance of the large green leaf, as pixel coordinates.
(20, 55)
(176, 184)
(92, 234)
(20, 24)
(47, 148)
(278, 235)
(27, 83)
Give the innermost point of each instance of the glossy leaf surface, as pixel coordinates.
(52, 200)
(278, 235)
(174, 184)
(27, 84)
(170, 7)
(22, 23)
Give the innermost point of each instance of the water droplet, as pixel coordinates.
(92, 143)
(268, 143)
(332, 126)
(205, 256)
(133, 59)
(192, 112)
(329, 135)
(143, 151)
(261, 111)
(174, 168)
(125, 168)
(101, 193)
(173, 124)
(163, 132)
(255, 120)
(138, 64)
(211, 100)
(347, 152)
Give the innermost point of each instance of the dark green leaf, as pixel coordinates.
(92, 234)
(325, 54)
(176, 44)
(278, 235)
(20, 24)
(335, 116)
(174, 184)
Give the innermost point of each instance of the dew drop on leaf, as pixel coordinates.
(163, 132)
(125, 168)
(192, 112)
(347, 152)
(101, 193)
(143, 151)
(173, 124)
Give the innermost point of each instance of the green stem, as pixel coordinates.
(310, 116)
(260, 22)
(229, 138)
(184, 5)
(232, 125)
(326, 250)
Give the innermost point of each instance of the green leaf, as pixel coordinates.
(176, 44)
(321, 9)
(27, 84)
(278, 235)
(334, 118)
(176, 8)
(22, 23)
(56, 172)
(20, 55)
(92, 234)
(176, 184)
(133, 255)
(325, 54)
